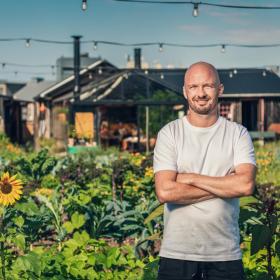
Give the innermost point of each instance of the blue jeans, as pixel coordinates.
(173, 269)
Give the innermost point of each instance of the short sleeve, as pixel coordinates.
(244, 148)
(165, 154)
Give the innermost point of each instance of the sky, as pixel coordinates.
(122, 22)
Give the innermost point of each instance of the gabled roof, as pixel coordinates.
(31, 89)
(59, 87)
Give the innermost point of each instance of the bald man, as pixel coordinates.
(203, 163)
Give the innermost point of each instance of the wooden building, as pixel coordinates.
(117, 96)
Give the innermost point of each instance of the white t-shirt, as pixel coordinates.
(208, 230)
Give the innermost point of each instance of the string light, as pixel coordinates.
(84, 5)
(162, 76)
(195, 12)
(95, 45)
(146, 72)
(234, 71)
(90, 75)
(160, 47)
(223, 49)
(27, 43)
(264, 73)
(3, 65)
(100, 71)
(230, 74)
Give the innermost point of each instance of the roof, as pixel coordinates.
(129, 85)
(32, 89)
(69, 81)
(235, 81)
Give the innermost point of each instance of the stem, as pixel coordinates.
(2, 246)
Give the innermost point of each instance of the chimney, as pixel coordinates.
(137, 58)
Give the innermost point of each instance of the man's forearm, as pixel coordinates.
(181, 193)
(224, 186)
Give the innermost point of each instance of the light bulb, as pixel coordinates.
(146, 72)
(27, 43)
(3, 65)
(230, 74)
(195, 10)
(100, 71)
(264, 73)
(223, 49)
(160, 47)
(162, 76)
(90, 75)
(95, 46)
(84, 5)
(235, 71)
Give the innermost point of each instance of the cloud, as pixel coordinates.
(197, 29)
(237, 18)
(257, 35)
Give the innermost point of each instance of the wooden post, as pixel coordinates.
(36, 126)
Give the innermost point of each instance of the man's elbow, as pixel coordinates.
(161, 196)
(249, 188)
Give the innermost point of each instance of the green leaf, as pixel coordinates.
(277, 248)
(19, 221)
(19, 241)
(29, 208)
(261, 235)
(77, 220)
(247, 200)
(156, 213)
(68, 226)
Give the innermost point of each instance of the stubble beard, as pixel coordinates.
(203, 110)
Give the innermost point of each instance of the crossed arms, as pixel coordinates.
(189, 188)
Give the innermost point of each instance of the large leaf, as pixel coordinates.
(156, 213)
(261, 235)
(77, 220)
(247, 201)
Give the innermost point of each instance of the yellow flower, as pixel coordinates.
(10, 189)
(43, 191)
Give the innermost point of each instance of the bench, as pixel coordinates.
(262, 135)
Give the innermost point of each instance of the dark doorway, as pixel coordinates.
(250, 114)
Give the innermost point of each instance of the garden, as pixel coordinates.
(94, 215)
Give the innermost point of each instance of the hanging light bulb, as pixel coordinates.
(52, 70)
(90, 75)
(84, 5)
(195, 12)
(27, 43)
(160, 47)
(100, 71)
(95, 45)
(162, 76)
(230, 74)
(16, 72)
(3, 65)
(235, 71)
(223, 49)
(264, 73)
(146, 72)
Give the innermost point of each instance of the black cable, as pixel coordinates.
(201, 3)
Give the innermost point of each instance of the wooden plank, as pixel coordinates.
(84, 124)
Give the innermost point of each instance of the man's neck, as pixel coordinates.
(202, 120)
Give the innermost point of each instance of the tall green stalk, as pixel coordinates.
(2, 246)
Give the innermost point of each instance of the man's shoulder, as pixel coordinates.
(171, 126)
(236, 127)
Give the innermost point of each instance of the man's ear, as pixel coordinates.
(220, 89)
(184, 92)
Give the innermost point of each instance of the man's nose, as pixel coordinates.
(201, 92)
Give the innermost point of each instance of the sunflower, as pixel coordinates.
(10, 189)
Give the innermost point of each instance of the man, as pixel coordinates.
(203, 163)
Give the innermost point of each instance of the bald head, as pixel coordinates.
(197, 68)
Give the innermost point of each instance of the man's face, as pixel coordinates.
(202, 89)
